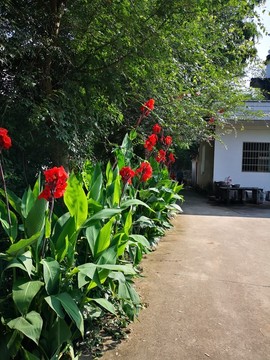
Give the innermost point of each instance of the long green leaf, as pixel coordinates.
(13, 199)
(109, 173)
(128, 223)
(28, 200)
(104, 238)
(55, 304)
(10, 229)
(62, 237)
(19, 247)
(51, 273)
(23, 293)
(88, 267)
(72, 310)
(34, 221)
(102, 215)
(105, 304)
(59, 334)
(30, 325)
(140, 239)
(28, 356)
(91, 234)
(23, 262)
(132, 202)
(76, 200)
(96, 183)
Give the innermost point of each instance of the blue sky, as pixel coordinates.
(264, 43)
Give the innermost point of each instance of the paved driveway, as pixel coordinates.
(197, 204)
(207, 287)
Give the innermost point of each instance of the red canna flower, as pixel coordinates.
(144, 172)
(55, 183)
(150, 142)
(156, 129)
(211, 120)
(147, 107)
(167, 140)
(161, 156)
(127, 174)
(5, 140)
(171, 158)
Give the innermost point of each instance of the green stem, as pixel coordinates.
(46, 240)
(6, 194)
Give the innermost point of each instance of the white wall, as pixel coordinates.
(228, 156)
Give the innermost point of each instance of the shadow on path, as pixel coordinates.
(198, 204)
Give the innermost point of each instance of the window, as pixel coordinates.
(256, 157)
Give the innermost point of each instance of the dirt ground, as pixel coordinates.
(207, 288)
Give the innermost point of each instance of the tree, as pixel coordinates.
(76, 72)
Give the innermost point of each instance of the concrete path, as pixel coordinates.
(207, 287)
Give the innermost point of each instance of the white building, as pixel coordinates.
(241, 153)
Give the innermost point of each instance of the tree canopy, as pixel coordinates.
(75, 73)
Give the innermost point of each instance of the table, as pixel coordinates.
(229, 193)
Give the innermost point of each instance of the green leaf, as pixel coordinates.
(37, 186)
(88, 268)
(108, 256)
(113, 192)
(10, 344)
(120, 158)
(91, 234)
(132, 202)
(72, 310)
(126, 269)
(176, 207)
(94, 206)
(62, 234)
(55, 304)
(105, 304)
(34, 221)
(11, 230)
(128, 223)
(140, 239)
(109, 173)
(133, 134)
(102, 215)
(27, 261)
(13, 199)
(28, 200)
(51, 273)
(86, 274)
(59, 334)
(117, 191)
(29, 356)
(96, 183)
(23, 262)
(76, 200)
(23, 293)
(48, 227)
(104, 238)
(19, 247)
(30, 325)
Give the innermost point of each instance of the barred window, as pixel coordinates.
(256, 157)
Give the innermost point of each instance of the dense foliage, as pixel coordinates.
(65, 265)
(72, 71)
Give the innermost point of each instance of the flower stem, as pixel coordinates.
(46, 240)
(6, 194)
(139, 121)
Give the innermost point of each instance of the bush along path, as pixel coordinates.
(71, 248)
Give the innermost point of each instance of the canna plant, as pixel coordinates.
(72, 247)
